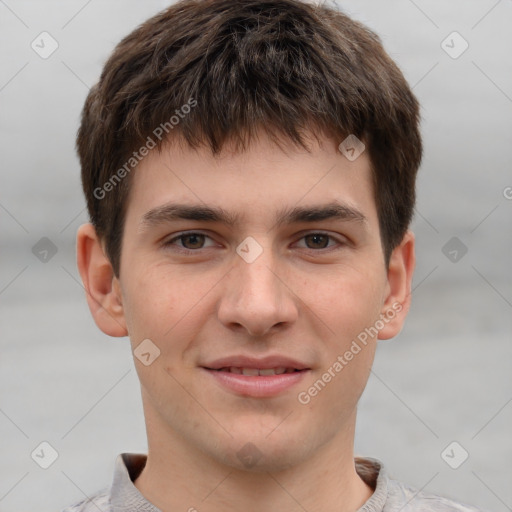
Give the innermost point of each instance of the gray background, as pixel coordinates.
(447, 377)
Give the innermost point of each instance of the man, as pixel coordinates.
(249, 169)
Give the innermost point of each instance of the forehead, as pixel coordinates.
(262, 182)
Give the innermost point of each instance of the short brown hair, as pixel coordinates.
(285, 66)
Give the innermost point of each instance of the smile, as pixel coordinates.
(256, 382)
(253, 372)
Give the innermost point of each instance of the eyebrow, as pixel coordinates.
(292, 215)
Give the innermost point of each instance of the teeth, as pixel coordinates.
(250, 371)
(254, 372)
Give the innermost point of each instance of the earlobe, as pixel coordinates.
(101, 286)
(399, 281)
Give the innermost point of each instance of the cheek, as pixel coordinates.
(347, 307)
(150, 304)
(347, 303)
(165, 306)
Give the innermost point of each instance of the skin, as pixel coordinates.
(304, 297)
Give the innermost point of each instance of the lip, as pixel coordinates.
(262, 386)
(241, 361)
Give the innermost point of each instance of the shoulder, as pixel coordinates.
(407, 499)
(98, 501)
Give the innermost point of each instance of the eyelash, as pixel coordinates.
(183, 250)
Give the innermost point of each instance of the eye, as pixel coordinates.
(189, 241)
(319, 240)
(194, 241)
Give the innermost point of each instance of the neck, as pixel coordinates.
(177, 477)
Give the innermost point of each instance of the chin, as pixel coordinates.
(261, 454)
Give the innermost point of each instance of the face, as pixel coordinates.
(243, 266)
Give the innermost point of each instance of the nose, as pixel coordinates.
(257, 297)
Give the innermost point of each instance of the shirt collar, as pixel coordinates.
(126, 497)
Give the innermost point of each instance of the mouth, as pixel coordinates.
(254, 378)
(255, 372)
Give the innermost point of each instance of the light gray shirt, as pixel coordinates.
(389, 495)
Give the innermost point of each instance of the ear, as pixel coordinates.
(102, 287)
(398, 290)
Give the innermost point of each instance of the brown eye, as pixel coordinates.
(317, 240)
(192, 240)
